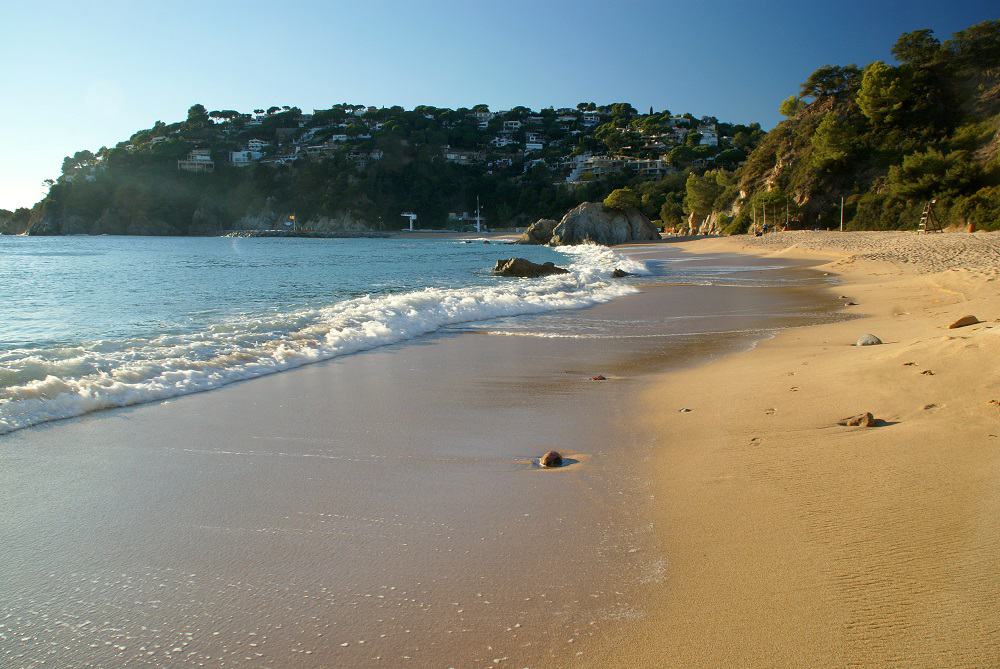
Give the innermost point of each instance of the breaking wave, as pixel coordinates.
(39, 385)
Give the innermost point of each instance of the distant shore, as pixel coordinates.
(794, 541)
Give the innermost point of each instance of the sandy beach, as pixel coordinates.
(382, 509)
(794, 541)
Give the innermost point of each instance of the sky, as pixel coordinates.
(84, 75)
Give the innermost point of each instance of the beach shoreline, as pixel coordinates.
(796, 541)
(390, 492)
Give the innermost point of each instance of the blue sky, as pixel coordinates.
(82, 75)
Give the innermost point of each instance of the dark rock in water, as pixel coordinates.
(620, 274)
(521, 267)
(551, 459)
(486, 241)
(868, 340)
(599, 377)
(592, 222)
(964, 321)
(539, 232)
(861, 420)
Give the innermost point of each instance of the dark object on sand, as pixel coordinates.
(861, 420)
(551, 459)
(850, 304)
(524, 268)
(599, 377)
(620, 274)
(868, 340)
(963, 322)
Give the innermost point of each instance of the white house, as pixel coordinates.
(533, 146)
(244, 158)
(591, 118)
(502, 140)
(511, 126)
(199, 160)
(709, 135)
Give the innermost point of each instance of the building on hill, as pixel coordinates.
(198, 160)
(590, 119)
(511, 126)
(501, 141)
(244, 158)
(709, 134)
(461, 157)
(257, 145)
(653, 168)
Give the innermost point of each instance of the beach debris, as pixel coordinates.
(551, 459)
(865, 419)
(909, 364)
(964, 321)
(844, 297)
(927, 372)
(995, 403)
(524, 268)
(599, 377)
(850, 304)
(868, 340)
(684, 410)
(928, 407)
(771, 411)
(620, 274)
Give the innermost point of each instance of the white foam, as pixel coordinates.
(38, 386)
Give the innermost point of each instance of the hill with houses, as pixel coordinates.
(355, 167)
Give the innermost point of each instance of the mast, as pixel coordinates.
(478, 220)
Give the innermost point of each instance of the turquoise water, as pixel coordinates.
(88, 323)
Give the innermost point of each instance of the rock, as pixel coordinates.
(684, 410)
(861, 420)
(524, 268)
(539, 232)
(964, 321)
(850, 304)
(592, 222)
(599, 377)
(620, 274)
(486, 241)
(868, 340)
(551, 459)
(927, 372)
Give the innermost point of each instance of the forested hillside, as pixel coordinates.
(887, 138)
(352, 167)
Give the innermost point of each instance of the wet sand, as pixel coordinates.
(379, 509)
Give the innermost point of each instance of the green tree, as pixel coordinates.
(702, 192)
(833, 142)
(917, 48)
(197, 115)
(884, 93)
(831, 80)
(622, 199)
(791, 106)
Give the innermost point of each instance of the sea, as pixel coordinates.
(90, 323)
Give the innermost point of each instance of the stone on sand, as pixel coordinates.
(861, 420)
(868, 340)
(964, 321)
(551, 459)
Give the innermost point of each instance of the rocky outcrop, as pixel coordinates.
(539, 232)
(865, 419)
(592, 222)
(523, 268)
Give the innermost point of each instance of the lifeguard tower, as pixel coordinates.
(411, 216)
